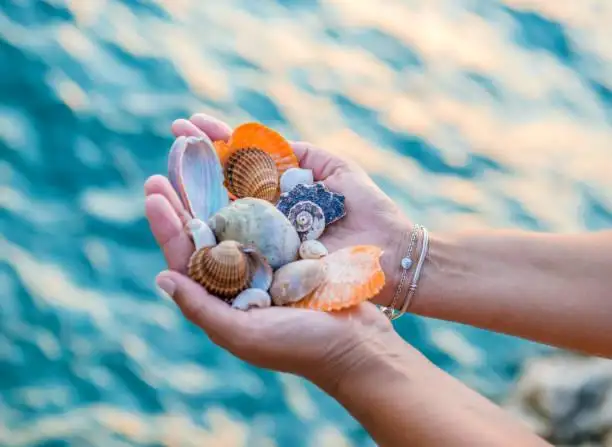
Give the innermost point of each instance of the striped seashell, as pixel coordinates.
(256, 135)
(252, 172)
(223, 270)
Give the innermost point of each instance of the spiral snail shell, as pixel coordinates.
(308, 220)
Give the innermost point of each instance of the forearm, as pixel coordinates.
(400, 398)
(555, 289)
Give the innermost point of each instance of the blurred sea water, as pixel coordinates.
(468, 113)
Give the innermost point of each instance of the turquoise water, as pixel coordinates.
(468, 113)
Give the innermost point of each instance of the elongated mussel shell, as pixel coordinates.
(353, 275)
(195, 173)
(252, 173)
(294, 281)
(223, 270)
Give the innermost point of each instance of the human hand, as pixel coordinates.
(372, 217)
(322, 347)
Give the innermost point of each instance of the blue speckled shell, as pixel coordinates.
(331, 203)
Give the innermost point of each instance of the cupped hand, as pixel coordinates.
(317, 345)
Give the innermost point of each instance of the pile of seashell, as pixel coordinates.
(255, 219)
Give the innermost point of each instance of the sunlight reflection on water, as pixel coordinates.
(468, 113)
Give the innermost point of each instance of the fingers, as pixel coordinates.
(322, 163)
(184, 128)
(214, 316)
(214, 128)
(158, 184)
(169, 232)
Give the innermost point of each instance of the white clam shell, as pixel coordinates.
(251, 298)
(258, 223)
(194, 170)
(295, 280)
(295, 176)
(201, 233)
(312, 249)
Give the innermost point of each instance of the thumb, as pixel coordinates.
(322, 163)
(219, 320)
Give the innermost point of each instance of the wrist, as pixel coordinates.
(398, 242)
(374, 361)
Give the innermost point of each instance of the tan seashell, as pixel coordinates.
(353, 275)
(252, 173)
(256, 222)
(295, 280)
(250, 298)
(223, 270)
(312, 249)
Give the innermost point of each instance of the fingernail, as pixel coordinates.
(167, 285)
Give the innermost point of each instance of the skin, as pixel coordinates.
(355, 355)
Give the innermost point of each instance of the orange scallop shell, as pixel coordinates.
(252, 173)
(354, 275)
(223, 270)
(258, 136)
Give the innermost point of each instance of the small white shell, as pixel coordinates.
(201, 233)
(250, 298)
(312, 249)
(295, 176)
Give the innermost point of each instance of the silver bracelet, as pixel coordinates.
(406, 263)
(417, 273)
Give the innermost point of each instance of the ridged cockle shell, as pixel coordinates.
(353, 275)
(194, 170)
(223, 270)
(312, 250)
(294, 281)
(256, 222)
(258, 136)
(252, 173)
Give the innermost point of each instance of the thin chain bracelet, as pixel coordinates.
(406, 264)
(417, 273)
